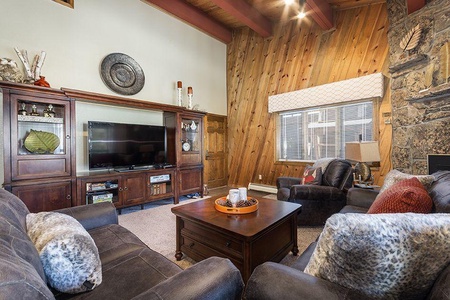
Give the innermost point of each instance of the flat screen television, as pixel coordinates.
(125, 146)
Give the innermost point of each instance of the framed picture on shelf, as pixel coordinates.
(68, 3)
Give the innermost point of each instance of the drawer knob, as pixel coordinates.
(192, 245)
(228, 244)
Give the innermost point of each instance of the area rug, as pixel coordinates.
(155, 226)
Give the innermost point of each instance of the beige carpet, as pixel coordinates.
(155, 226)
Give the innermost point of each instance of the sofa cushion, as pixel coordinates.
(407, 195)
(129, 266)
(386, 256)
(68, 253)
(395, 176)
(440, 192)
(312, 176)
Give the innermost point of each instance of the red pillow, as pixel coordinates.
(312, 176)
(408, 195)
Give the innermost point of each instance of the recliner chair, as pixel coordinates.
(318, 202)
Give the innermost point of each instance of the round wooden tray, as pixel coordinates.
(235, 210)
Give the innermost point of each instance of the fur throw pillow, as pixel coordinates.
(68, 253)
(385, 256)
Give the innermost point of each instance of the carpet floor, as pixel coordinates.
(155, 226)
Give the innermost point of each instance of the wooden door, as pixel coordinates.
(216, 162)
(133, 188)
(45, 196)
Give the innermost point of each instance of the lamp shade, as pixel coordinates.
(362, 152)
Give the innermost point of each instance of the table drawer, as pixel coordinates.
(198, 251)
(218, 241)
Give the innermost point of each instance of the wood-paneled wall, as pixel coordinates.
(296, 57)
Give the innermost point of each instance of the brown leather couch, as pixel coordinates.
(130, 269)
(276, 281)
(318, 202)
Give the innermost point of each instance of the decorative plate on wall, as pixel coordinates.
(122, 74)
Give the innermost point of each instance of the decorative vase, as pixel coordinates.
(42, 82)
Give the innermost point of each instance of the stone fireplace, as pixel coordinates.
(420, 84)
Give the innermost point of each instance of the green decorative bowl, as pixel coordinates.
(41, 142)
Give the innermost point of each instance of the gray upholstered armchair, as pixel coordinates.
(318, 202)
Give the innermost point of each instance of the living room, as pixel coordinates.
(233, 81)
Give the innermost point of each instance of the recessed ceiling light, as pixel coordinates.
(288, 2)
(301, 15)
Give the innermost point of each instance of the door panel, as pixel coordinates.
(216, 166)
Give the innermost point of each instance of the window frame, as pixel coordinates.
(375, 130)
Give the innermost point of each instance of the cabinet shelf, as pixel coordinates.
(38, 119)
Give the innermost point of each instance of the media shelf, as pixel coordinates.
(126, 188)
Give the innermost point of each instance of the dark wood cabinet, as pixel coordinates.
(126, 189)
(133, 189)
(190, 180)
(185, 129)
(45, 196)
(38, 129)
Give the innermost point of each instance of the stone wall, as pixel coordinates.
(420, 88)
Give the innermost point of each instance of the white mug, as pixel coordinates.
(242, 193)
(233, 196)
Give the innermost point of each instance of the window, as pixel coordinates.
(310, 134)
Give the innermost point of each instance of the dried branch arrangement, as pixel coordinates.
(33, 72)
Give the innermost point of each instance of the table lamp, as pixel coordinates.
(362, 153)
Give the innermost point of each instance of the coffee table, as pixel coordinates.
(248, 240)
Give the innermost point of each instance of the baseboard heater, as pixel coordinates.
(262, 187)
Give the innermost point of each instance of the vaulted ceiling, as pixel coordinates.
(219, 18)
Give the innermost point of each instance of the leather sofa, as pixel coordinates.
(130, 269)
(318, 202)
(275, 281)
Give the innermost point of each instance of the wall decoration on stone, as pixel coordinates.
(445, 62)
(411, 39)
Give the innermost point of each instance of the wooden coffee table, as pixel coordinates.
(248, 240)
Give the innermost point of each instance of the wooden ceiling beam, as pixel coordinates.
(321, 12)
(414, 5)
(247, 14)
(195, 17)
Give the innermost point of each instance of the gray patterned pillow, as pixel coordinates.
(395, 176)
(68, 253)
(385, 256)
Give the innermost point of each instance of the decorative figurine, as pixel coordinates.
(34, 110)
(49, 111)
(23, 110)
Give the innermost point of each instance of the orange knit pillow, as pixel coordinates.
(408, 195)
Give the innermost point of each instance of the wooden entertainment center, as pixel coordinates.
(47, 179)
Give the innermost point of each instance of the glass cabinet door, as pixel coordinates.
(40, 137)
(40, 128)
(190, 135)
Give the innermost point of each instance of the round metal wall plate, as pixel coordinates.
(122, 74)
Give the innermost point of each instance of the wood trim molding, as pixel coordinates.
(119, 101)
(247, 14)
(68, 3)
(195, 17)
(321, 12)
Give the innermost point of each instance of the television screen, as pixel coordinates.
(116, 145)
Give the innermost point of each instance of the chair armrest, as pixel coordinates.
(211, 279)
(93, 215)
(275, 281)
(287, 182)
(361, 197)
(316, 192)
